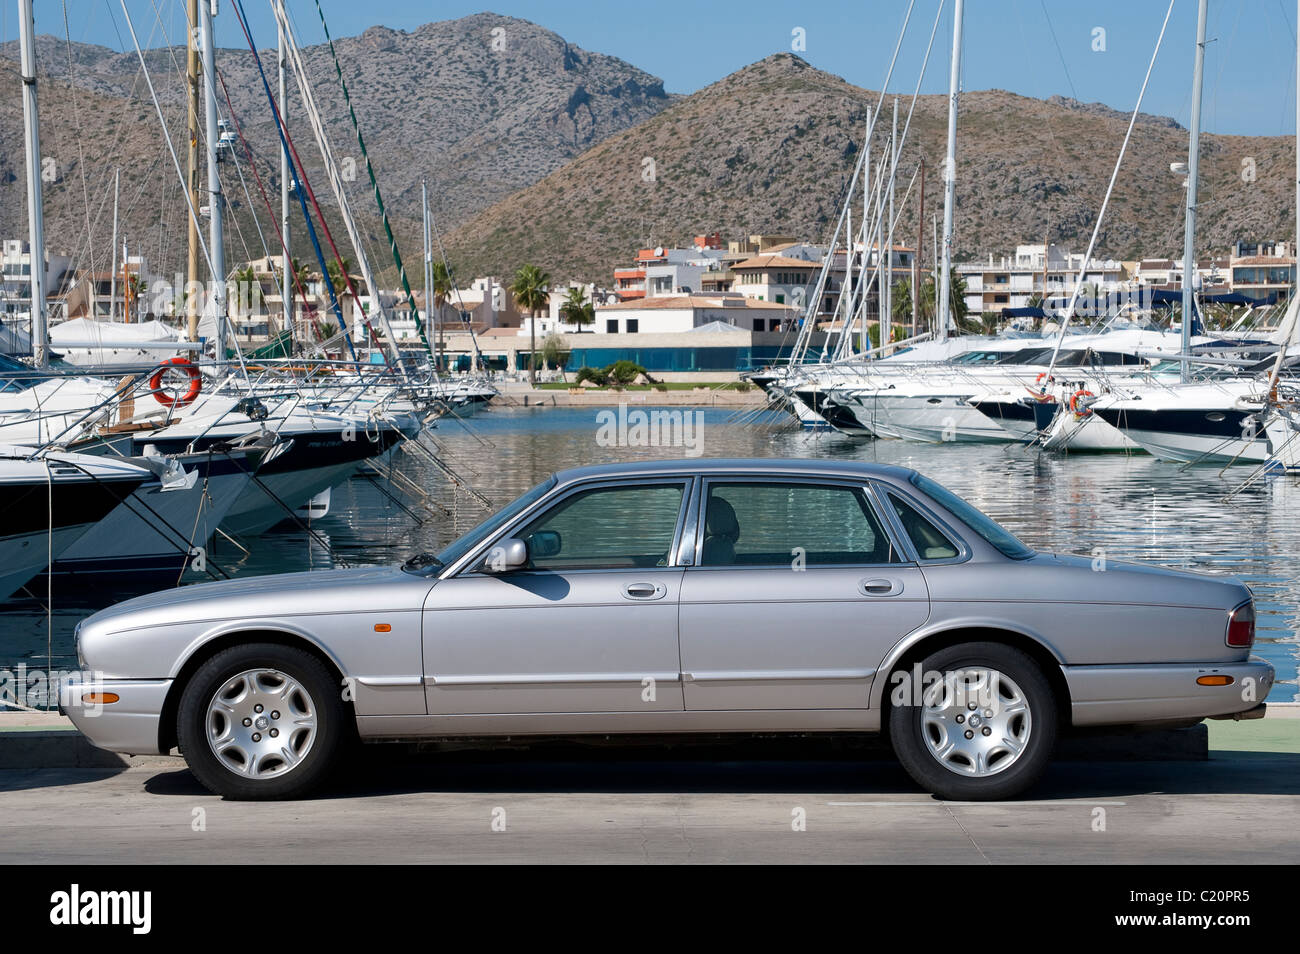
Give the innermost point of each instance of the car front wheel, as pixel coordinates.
(982, 725)
(261, 721)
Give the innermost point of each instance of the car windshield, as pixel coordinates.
(466, 541)
(989, 529)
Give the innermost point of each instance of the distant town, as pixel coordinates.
(713, 306)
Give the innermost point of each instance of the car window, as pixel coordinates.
(929, 540)
(606, 528)
(988, 528)
(471, 538)
(783, 524)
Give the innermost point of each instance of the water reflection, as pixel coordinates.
(1117, 506)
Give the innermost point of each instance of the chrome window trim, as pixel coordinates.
(964, 551)
(848, 483)
(476, 555)
(687, 538)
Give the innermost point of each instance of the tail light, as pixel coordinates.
(1241, 626)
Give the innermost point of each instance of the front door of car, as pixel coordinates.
(589, 624)
(798, 593)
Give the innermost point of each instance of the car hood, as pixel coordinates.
(287, 594)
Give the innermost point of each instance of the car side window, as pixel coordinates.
(618, 527)
(930, 542)
(767, 523)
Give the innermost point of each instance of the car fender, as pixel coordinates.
(935, 626)
(252, 625)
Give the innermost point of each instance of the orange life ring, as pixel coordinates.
(1074, 403)
(165, 399)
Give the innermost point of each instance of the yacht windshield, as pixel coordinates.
(16, 376)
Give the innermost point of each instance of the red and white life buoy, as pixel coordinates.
(1076, 403)
(165, 399)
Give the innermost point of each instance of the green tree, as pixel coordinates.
(530, 291)
(900, 298)
(248, 290)
(555, 352)
(576, 310)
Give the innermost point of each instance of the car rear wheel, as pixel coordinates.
(261, 721)
(984, 727)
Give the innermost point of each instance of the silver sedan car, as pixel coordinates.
(699, 596)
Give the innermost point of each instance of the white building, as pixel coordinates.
(1035, 270)
(16, 280)
(680, 313)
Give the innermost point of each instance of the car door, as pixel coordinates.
(798, 592)
(588, 625)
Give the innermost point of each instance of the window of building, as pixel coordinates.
(632, 325)
(611, 326)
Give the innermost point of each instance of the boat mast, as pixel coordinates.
(112, 271)
(285, 174)
(950, 174)
(192, 167)
(1189, 224)
(919, 254)
(35, 211)
(1291, 317)
(216, 238)
(887, 261)
(428, 259)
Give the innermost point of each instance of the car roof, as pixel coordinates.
(756, 466)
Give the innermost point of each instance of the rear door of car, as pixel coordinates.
(797, 591)
(591, 627)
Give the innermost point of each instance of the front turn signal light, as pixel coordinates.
(1214, 680)
(100, 698)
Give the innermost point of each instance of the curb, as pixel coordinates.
(48, 740)
(63, 748)
(68, 748)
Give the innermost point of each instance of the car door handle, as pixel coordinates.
(880, 587)
(644, 591)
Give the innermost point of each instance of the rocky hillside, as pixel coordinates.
(770, 149)
(481, 106)
(538, 151)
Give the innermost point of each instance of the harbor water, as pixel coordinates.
(1107, 507)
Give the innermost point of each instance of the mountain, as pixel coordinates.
(771, 147)
(538, 151)
(481, 106)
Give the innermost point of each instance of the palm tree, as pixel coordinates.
(246, 279)
(957, 309)
(901, 302)
(442, 289)
(530, 292)
(576, 310)
(338, 277)
(302, 272)
(134, 292)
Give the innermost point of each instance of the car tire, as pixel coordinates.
(283, 749)
(956, 744)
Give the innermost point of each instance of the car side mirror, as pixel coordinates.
(544, 544)
(510, 554)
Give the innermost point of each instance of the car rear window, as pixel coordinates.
(929, 540)
(989, 529)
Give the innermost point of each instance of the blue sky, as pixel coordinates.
(1033, 47)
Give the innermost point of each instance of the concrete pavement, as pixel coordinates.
(564, 803)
